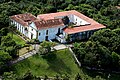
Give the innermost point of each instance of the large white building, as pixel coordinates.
(52, 26)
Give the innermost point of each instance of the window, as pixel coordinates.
(12, 21)
(47, 32)
(31, 36)
(75, 22)
(80, 22)
(39, 33)
(25, 28)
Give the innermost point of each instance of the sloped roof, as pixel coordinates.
(93, 24)
(48, 23)
(23, 19)
(48, 20)
(83, 28)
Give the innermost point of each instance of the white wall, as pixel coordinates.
(77, 20)
(71, 18)
(51, 33)
(32, 30)
(41, 37)
(19, 27)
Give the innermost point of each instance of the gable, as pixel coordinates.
(33, 25)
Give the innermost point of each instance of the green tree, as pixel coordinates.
(41, 50)
(57, 77)
(28, 76)
(9, 76)
(66, 77)
(93, 54)
(107, 38)
(46, 77)
(9, 45)
(115, 59)
(47, 47)
(3, 31)
(78, 77)
(4, 61)
(4, 57)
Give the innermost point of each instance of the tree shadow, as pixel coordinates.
(23, 63)
(57, 64)
(102, 74)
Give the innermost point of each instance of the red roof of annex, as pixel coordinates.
(93, 24)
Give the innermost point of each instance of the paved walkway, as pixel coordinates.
(60, 46)
(24, 57)
(78, 62)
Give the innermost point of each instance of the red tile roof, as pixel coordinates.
(48, 20)
(93, 24)
(83, 28)
(48, 23)
(23, 19)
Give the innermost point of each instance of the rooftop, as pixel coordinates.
(24, 19)
(49, 20)
(93, 24)
(48, 23)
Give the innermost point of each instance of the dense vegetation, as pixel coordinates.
(101, 51)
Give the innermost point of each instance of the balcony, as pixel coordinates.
(61, 38)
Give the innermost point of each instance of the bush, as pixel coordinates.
(26, 45)
(33, 41)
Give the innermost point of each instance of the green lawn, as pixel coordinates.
(17, 39)
(20, 41)
(60, 62)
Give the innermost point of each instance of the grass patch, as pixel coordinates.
(17, 39)
(60, 62)
(21, 42)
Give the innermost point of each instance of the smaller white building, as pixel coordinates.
(53, 26)
(22, 21)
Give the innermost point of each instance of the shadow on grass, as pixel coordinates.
(103, 75)
(22, 64)
(56, 64)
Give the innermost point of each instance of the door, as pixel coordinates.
(31, 36)
(58, 30)
(46, 38)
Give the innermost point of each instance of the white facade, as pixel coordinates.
(76, 20)
(20, 27)
(43, 34)
(32, 32)
(49, 33)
